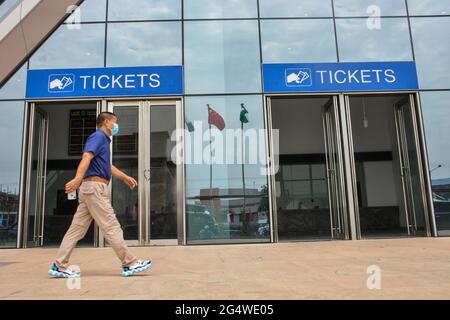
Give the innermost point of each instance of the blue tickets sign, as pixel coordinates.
(104, 82)
(340, 77)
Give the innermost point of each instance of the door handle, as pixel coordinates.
(147, 174)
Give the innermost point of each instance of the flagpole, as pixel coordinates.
(210, 153)
(243, 173)
(210, 160)
(243, 159)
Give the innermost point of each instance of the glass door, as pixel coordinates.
(410, 164)
(307, 197)
(163, 200)
(34, 224)
(125, 156)
(387, 169)
(334, 168)
(145, 149)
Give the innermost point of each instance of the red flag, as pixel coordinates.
(215, 118)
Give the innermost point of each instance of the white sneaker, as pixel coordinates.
(137, 267)
(58, 272)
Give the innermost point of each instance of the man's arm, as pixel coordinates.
(81, 171)
(129, 181)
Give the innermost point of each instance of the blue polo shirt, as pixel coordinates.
(98, 144)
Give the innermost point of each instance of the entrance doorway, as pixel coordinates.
(152, 214)
(350, 167)
(309, 193)
(57, 133)
(390, 189)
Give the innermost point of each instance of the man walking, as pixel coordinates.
(92, 179)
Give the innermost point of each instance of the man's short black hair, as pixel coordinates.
(104, 116)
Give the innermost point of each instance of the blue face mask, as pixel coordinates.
(115, 129)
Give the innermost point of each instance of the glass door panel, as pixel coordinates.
(388, 167)
(163, 173)
(412, 178)
(334, 168)
(125, 156)
(302, 203)
(149, 214)
(37, 174)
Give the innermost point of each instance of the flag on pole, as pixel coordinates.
(243, 115)
(215, 118)
(189, 126)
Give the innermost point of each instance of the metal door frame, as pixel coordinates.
(400, 130)
(407, 186)
(341, 231)
(271, 160)
(145, 105)
(413, 96)
(40, 181)
(25, 170)
(349, 178)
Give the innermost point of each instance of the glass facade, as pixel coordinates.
(225, 200)
(307, 40)
(431, 46)
(390, 42)
(363, 8)
(295, 8)
(228, 51)
(70, 47)
(89, 11)
(221, 45)
(429, 7)
(10, 141)
(123, 10)
(436, 111)
(213, 9)
(144, 43)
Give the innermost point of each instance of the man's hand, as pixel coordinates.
(130, 182)
(73, 184)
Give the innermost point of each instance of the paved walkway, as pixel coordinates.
(410, 269)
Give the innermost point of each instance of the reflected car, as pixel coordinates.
(442, 211)
(201, 224)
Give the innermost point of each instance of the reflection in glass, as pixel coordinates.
(294, 41)
(210, 9)
(407, 118)
(144, 44)
(163, 174)
(35, 213)
(431, 47)
(14, 88)
(222, 57)
(391, 42)
(11, 126)
(348, 8)
(295, 8)
(429, 7)
(436, 113)
(226, 200)
(72, 48)
(125, 157)
(89, 11)
(122, 10)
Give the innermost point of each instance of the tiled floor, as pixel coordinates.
(417, 268)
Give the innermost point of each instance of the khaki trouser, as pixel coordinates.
(94, 203)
